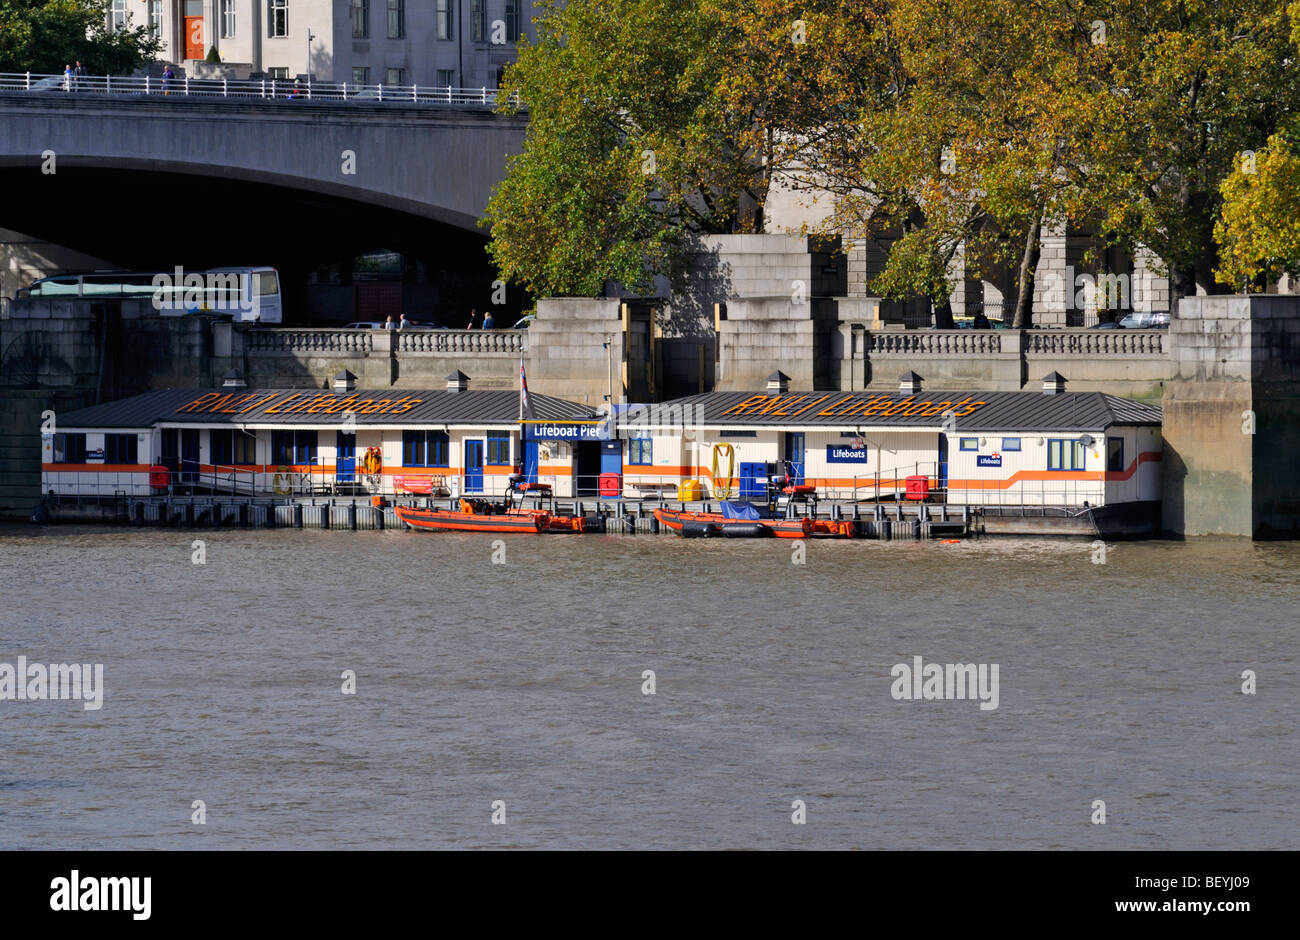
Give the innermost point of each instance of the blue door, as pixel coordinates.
(189, 455)
(473, 466)
(611, 461)
(753, 481)
(345, 458)
(795, 457)
(943, 462)
(530, 461)
(171, 453)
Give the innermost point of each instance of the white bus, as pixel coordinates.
(246, 294)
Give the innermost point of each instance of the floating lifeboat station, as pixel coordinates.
(911, 463)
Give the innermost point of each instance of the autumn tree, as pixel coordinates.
(1195, 84)
(630, 147)
(43, 36)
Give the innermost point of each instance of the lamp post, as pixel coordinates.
(310, 37)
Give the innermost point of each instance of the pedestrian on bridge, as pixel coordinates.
(67, 78)
(167, 77)
(488, 322)
(472, 314)
(79, 71)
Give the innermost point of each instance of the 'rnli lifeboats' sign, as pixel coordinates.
(838, 453)
(291, 403)
(987, 460)
(813, 407)
(566, 431)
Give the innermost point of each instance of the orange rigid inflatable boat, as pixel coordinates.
(474, 516)
(705, 524)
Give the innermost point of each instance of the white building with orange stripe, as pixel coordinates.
(1029, 448)
(291, 442)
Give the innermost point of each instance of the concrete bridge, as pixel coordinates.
(224, 178)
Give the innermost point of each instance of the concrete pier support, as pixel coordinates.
(1232, 418)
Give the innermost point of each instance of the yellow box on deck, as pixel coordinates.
(689, 490)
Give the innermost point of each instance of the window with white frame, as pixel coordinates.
(277, 19)
(155, 18)
(512, 20)
(227, 18)
(117, 15)
(446, 78)
(395, 76)
(396, 19)
(360, 75)
(360, 19)
(443, 19)
(476, 20)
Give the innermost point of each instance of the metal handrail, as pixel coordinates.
(264, 89)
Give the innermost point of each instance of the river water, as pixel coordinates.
(522, 682)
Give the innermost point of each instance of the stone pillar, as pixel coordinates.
(1150, 290)
(1232, 418)
(857, 252)
(1052, 293)
(967, 293)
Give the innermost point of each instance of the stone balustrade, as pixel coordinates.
(461, 342)
(276, 340)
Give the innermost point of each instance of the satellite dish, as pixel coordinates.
(1086, 440)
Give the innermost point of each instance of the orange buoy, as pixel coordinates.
(951, 542)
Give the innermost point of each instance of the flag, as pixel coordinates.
(525, 405)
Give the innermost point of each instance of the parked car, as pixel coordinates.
(365, 325)
(522, 324)
(1108, 325)
(1146, 321)
(50, 83)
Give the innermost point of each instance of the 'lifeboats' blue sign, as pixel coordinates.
(986, 461)
(561, 431)
(836, 453)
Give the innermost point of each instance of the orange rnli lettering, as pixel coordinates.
(810, 405)
(409, 404)
(830, 412)
(745, 405)
(198, 403)
(278, 407)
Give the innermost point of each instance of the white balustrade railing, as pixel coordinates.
(255, 88)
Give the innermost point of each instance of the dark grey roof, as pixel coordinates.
(993, 411)
(249, 406)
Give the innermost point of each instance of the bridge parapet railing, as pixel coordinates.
(266, 89)
(934, 342)
(1092, 343)
(458, 342)
(302, 340)
(1085, 343)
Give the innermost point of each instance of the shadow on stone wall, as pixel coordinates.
(702, 280)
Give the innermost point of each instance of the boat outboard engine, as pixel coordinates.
(512, 486)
